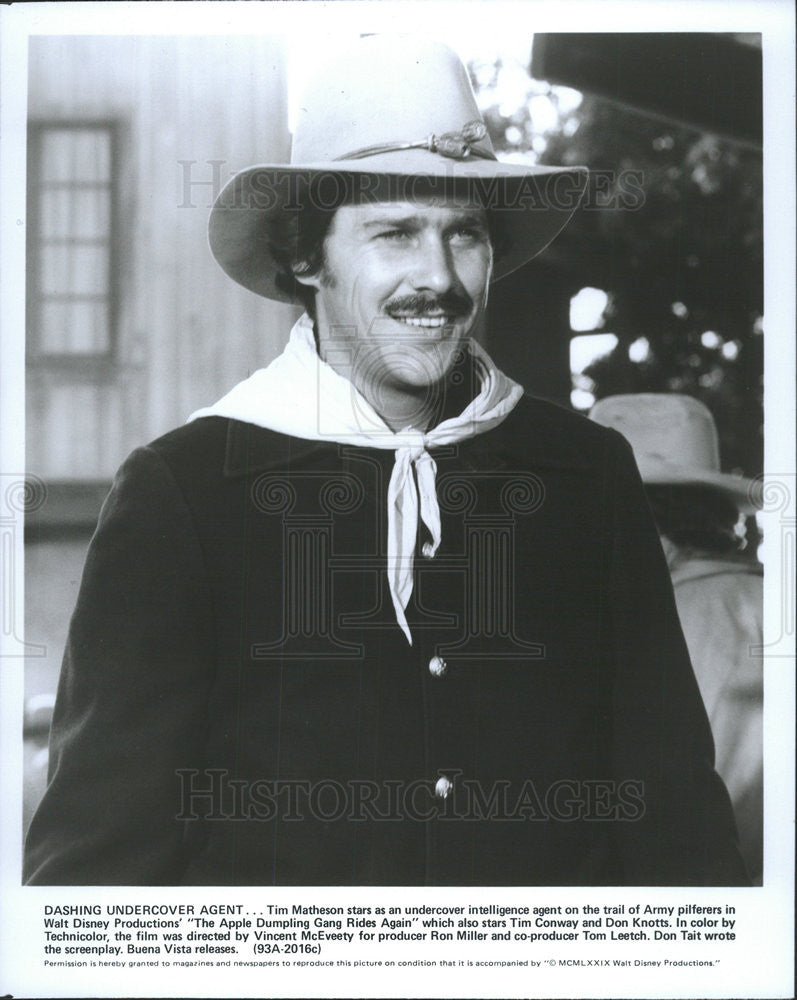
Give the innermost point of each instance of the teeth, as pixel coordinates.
(433, 322)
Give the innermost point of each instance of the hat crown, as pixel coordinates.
(383, 90)
(386, 111)
(668, 432)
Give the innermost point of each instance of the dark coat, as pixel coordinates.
(234, 636)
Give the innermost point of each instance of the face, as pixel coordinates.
(403, 284)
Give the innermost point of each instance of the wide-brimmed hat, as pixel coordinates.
(387, 111)
(675, 442)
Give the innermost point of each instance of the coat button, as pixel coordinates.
(443, 787)
(438, 666)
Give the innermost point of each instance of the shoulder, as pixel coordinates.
(552, 434)
(215, 446)
(201, 442)
(193, 450)
(205, 454)
(730, 583)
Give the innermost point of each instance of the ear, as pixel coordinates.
(303, 274)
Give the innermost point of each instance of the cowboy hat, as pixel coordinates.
(675, 442)
(388, 111)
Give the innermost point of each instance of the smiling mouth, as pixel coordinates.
(425, 322)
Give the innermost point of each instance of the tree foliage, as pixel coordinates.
(671, 228)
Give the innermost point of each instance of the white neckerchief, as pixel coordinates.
(300, 395)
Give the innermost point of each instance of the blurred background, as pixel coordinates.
(656, 286)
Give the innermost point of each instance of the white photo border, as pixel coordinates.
(760, 963)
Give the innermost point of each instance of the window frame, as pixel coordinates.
(91, 361)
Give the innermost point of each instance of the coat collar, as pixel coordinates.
(252, 449)
(521, 441)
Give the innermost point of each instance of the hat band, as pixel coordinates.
(455, 145)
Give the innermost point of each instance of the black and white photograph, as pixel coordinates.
(398, 500)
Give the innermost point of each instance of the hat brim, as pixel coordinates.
(738, 489)
(535, 204)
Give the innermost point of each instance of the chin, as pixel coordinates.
(426, 363)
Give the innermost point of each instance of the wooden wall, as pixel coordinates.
(186, 333)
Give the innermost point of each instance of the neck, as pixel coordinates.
(401, 410)
(402, 405)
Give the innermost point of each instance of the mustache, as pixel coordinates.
(452, 303)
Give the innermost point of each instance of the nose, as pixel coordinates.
(433, 268)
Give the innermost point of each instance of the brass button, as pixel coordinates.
(438, 666)
(443, 787)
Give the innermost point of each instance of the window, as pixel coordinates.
(71, 241)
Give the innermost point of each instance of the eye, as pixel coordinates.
(393, 235)
(468, 235)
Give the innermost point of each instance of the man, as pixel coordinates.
(719, 591)
(376, 617)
